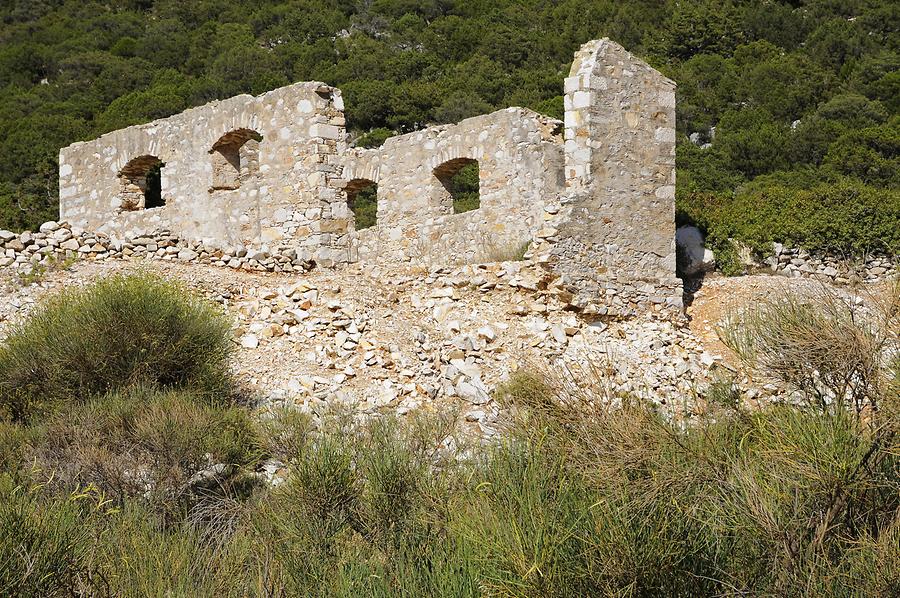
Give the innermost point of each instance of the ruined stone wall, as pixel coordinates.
(242, 171)
(613, 239)
(273, 172)
(519, 155)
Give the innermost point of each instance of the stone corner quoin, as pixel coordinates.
(593, 197)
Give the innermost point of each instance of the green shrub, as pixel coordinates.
(146, 445)
(138, 558)
(871, 155)
(753, 142)
(524, 519)
(44, 544)
(728, 259)
(841, 215)
(852, 110)
(121, 331)
(365, 513)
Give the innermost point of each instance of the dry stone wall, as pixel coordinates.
(272, 175)
(58, 243)
(799, 263)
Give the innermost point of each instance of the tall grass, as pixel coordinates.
(767, 503)
(587, 492)
(120, 331)
(44, 544)
(146, 444)
(823, 345)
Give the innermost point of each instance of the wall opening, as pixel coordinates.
(235, 159)
(141, 184)
(459, 178)
(362, 199)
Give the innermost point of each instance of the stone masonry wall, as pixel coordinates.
(799, 263)
(613, 239)
(277, 195)
(520, 162)
(272, 176)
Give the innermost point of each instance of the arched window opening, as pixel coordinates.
(141, 184)
(235, 158)
(459, 178)
(362, 198)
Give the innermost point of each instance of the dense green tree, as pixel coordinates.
(871, 155)
(811, 138)
(752, 141)
(702, 27)
(707, 85)
(785, 86)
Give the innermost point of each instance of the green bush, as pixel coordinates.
(146, 444)
(44, 544)
(365, 513)
(843, 215)
(871, 154)
(119, 332)
(753, 142)
(582, 499)
(138, 558)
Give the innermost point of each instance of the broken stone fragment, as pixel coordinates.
(249, 341)
(558, 333)
(487, 333)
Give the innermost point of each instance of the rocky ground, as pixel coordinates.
(382, 339)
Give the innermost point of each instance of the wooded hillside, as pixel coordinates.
(797, 100)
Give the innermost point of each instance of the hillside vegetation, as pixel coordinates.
(153, 479)
(798, 99)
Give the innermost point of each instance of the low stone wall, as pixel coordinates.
(56, 242)
(830, 268)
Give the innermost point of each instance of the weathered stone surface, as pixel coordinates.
(615, 239)
(234, 172)
(274, 171)
(520, 159)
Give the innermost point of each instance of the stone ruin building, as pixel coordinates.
(594, 195)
